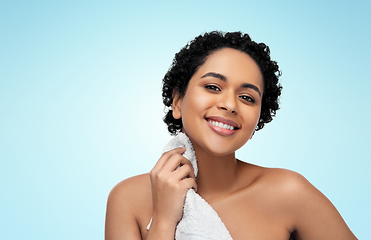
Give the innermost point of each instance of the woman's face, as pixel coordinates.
(221, 106)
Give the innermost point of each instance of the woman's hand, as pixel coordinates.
(171, 177)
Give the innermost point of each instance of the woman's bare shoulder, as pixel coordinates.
(132, 183)
(128, 204)
(130, 189)
(276, 178)
(291, 189)
(288, 180)
(304, 204)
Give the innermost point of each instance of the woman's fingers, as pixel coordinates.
(186, 170)
(165, 157)
(170, 162)
(173, 168)
(175, 161)
(189, 183)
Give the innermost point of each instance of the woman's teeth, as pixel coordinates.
(221, 125)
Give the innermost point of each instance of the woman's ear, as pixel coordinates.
(177, 113)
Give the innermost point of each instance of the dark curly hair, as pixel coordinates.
(195, 53)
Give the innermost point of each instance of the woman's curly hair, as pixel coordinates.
(195, 53)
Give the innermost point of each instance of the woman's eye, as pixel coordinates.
(247, 98)
(213, 88)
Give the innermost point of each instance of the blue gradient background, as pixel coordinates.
(80, 101)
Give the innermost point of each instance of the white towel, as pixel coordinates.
(199, 220)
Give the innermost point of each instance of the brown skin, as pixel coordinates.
(273, 204)
(253, 202)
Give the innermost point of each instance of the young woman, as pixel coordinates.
(221, 88)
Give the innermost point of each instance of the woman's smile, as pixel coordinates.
(222, 126)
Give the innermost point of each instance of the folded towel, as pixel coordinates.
(199, 220)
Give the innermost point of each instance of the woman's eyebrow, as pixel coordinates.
(224, 78)
(215, 75)
(252, 86)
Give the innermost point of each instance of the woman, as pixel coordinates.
(220, 89)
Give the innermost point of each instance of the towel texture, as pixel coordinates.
(199, 220)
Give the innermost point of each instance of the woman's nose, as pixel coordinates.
(227, 102)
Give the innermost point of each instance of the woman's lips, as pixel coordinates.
(223, 120)
(222, 125)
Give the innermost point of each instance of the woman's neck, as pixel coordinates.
(216, 175)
